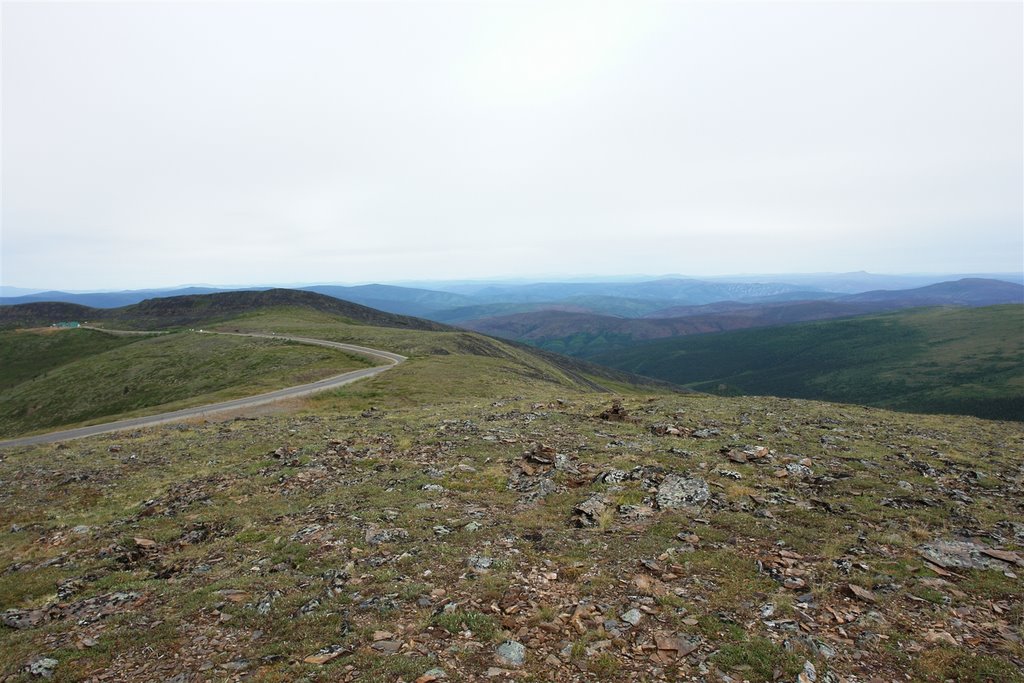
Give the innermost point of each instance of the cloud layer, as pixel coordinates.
(159, 144)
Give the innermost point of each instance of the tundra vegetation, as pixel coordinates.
(482, 512)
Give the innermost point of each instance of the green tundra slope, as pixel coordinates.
(73, 377)
(966, 361)
(30, 353)
(514, 525)
(63, 378)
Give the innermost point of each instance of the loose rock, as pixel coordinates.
(511, 654)
(677, 491)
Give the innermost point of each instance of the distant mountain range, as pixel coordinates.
(957, 348)
(105, 299)
(965, 292)
(586, 334)
(455, 302)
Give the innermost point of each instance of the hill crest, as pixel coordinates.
(195, 309)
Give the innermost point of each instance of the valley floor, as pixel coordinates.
(537, 537)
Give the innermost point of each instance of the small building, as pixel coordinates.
(67, 325)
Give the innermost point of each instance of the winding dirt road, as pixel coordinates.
(391, 360)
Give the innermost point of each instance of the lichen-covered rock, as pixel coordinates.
(511, 653)
(965, 555)
(677, 491)
(42, 666)
(586, 514)
(376, 536)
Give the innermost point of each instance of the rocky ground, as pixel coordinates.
(531, 538)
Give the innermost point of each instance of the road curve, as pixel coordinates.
(391, 360)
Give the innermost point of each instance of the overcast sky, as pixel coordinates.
(151, 145)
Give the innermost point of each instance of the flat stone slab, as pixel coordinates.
(966, 555)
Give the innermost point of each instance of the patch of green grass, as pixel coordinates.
(290, 553)
(991, 585)
(605, 666)
(372, 668)
(713, 628)
(484, 626)
(758, 660)
(961, 665)
(932, 595)
(735, 576)
(21, 589)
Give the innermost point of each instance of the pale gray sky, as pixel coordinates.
(151, 145)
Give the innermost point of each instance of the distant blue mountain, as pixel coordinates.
(110, 299)
(667, 297)
(402, 300)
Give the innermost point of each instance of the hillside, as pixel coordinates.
(117, 377)
(195, 310)
(401, 300)
(45, 313)
(596, 305)
(51, 379)
(474, 515)
(104, 299)
(967, 361)
(964, 292)
(448, 351)
(28, 354)
(586, 334)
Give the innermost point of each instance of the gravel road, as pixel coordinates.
(391, 360)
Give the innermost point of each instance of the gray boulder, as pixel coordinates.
(677, 492)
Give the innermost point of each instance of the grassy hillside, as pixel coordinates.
(85, 376)
(448, 352)
(197, 310)
(963, 292)
(588, 335)
(43, 314)
(348, 544)
(114, 377)
(967, 361)
(25, 354)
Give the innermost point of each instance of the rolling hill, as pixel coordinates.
(51, 379)
(116, 376)
(105, 299)
(401, 300)
(964, 292)
(585, 334)
(966, 360)
(203, 309)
